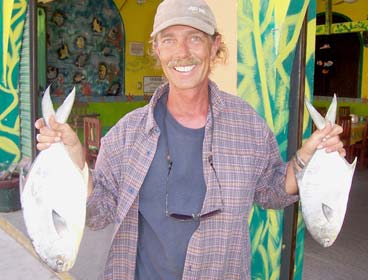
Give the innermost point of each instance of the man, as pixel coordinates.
(178, 177)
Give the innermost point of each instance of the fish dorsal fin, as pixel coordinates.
(327, 212)
(318, 120)
(59, 224)
(64, 110)
(47, 107)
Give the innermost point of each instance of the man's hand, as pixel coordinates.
(59, 132)
(327, 138)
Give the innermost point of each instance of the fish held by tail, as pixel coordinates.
(324, 186)
(54, 198)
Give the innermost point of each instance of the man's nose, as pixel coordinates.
(182, 48)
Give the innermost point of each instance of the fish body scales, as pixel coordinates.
(324, 187)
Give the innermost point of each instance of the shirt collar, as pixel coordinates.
(216, 99)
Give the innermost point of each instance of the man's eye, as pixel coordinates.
(167, 41)
(196, 39)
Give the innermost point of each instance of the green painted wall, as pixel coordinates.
(268, 31)
(12, 16)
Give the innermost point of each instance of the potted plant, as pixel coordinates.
(9, 184)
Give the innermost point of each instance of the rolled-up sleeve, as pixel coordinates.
(102, 203)
(270, 190)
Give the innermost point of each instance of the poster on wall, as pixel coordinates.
(85, 49)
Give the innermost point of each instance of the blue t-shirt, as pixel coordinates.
(162, 240)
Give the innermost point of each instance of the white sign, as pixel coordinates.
(151, 83)
(136, 48)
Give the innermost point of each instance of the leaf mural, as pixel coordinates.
(268, 32)
(12, 19)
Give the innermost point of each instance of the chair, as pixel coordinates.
(345, 123)
(344, 111)
(76, 116)
(360, 149)
(92, 136)
(322, 110)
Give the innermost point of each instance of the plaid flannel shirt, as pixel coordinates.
(249, 168)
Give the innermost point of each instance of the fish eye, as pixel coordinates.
(59, 262)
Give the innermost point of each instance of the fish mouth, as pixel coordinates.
(60, 264)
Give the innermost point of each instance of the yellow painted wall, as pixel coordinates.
(355, 11)
(226, 75)
(138, 21)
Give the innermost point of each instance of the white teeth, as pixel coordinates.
(184, 68)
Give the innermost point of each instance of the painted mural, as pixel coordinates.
(11, 30)
(267, 37)
(85, 48)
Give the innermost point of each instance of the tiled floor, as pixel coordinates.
(20, 264)
(346, 259)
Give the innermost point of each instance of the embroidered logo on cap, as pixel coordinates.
(196, 9)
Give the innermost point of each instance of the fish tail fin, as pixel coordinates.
(318, 120)
(331, 113)
(64, 110)
(47, 107)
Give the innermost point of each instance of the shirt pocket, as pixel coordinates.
(237, 174)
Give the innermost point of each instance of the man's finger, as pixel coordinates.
(39, 123)
(42, 146)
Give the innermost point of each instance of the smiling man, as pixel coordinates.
(178, 177)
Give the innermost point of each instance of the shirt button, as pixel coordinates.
(156, 130)
(131, 190)
(148, 153)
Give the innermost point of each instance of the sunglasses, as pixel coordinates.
(193, 216)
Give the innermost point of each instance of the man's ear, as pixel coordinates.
(155, 49)
(215, 46)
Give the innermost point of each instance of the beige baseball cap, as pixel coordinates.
(194, 13)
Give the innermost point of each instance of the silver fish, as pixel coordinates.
(324, 186)
(54, 198)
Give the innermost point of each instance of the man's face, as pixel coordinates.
(185, 54)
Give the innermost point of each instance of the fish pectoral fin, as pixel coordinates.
(59, 224)
(327, 212)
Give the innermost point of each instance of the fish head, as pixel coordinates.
(60, 263)
(325, 221)
(64, 252)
